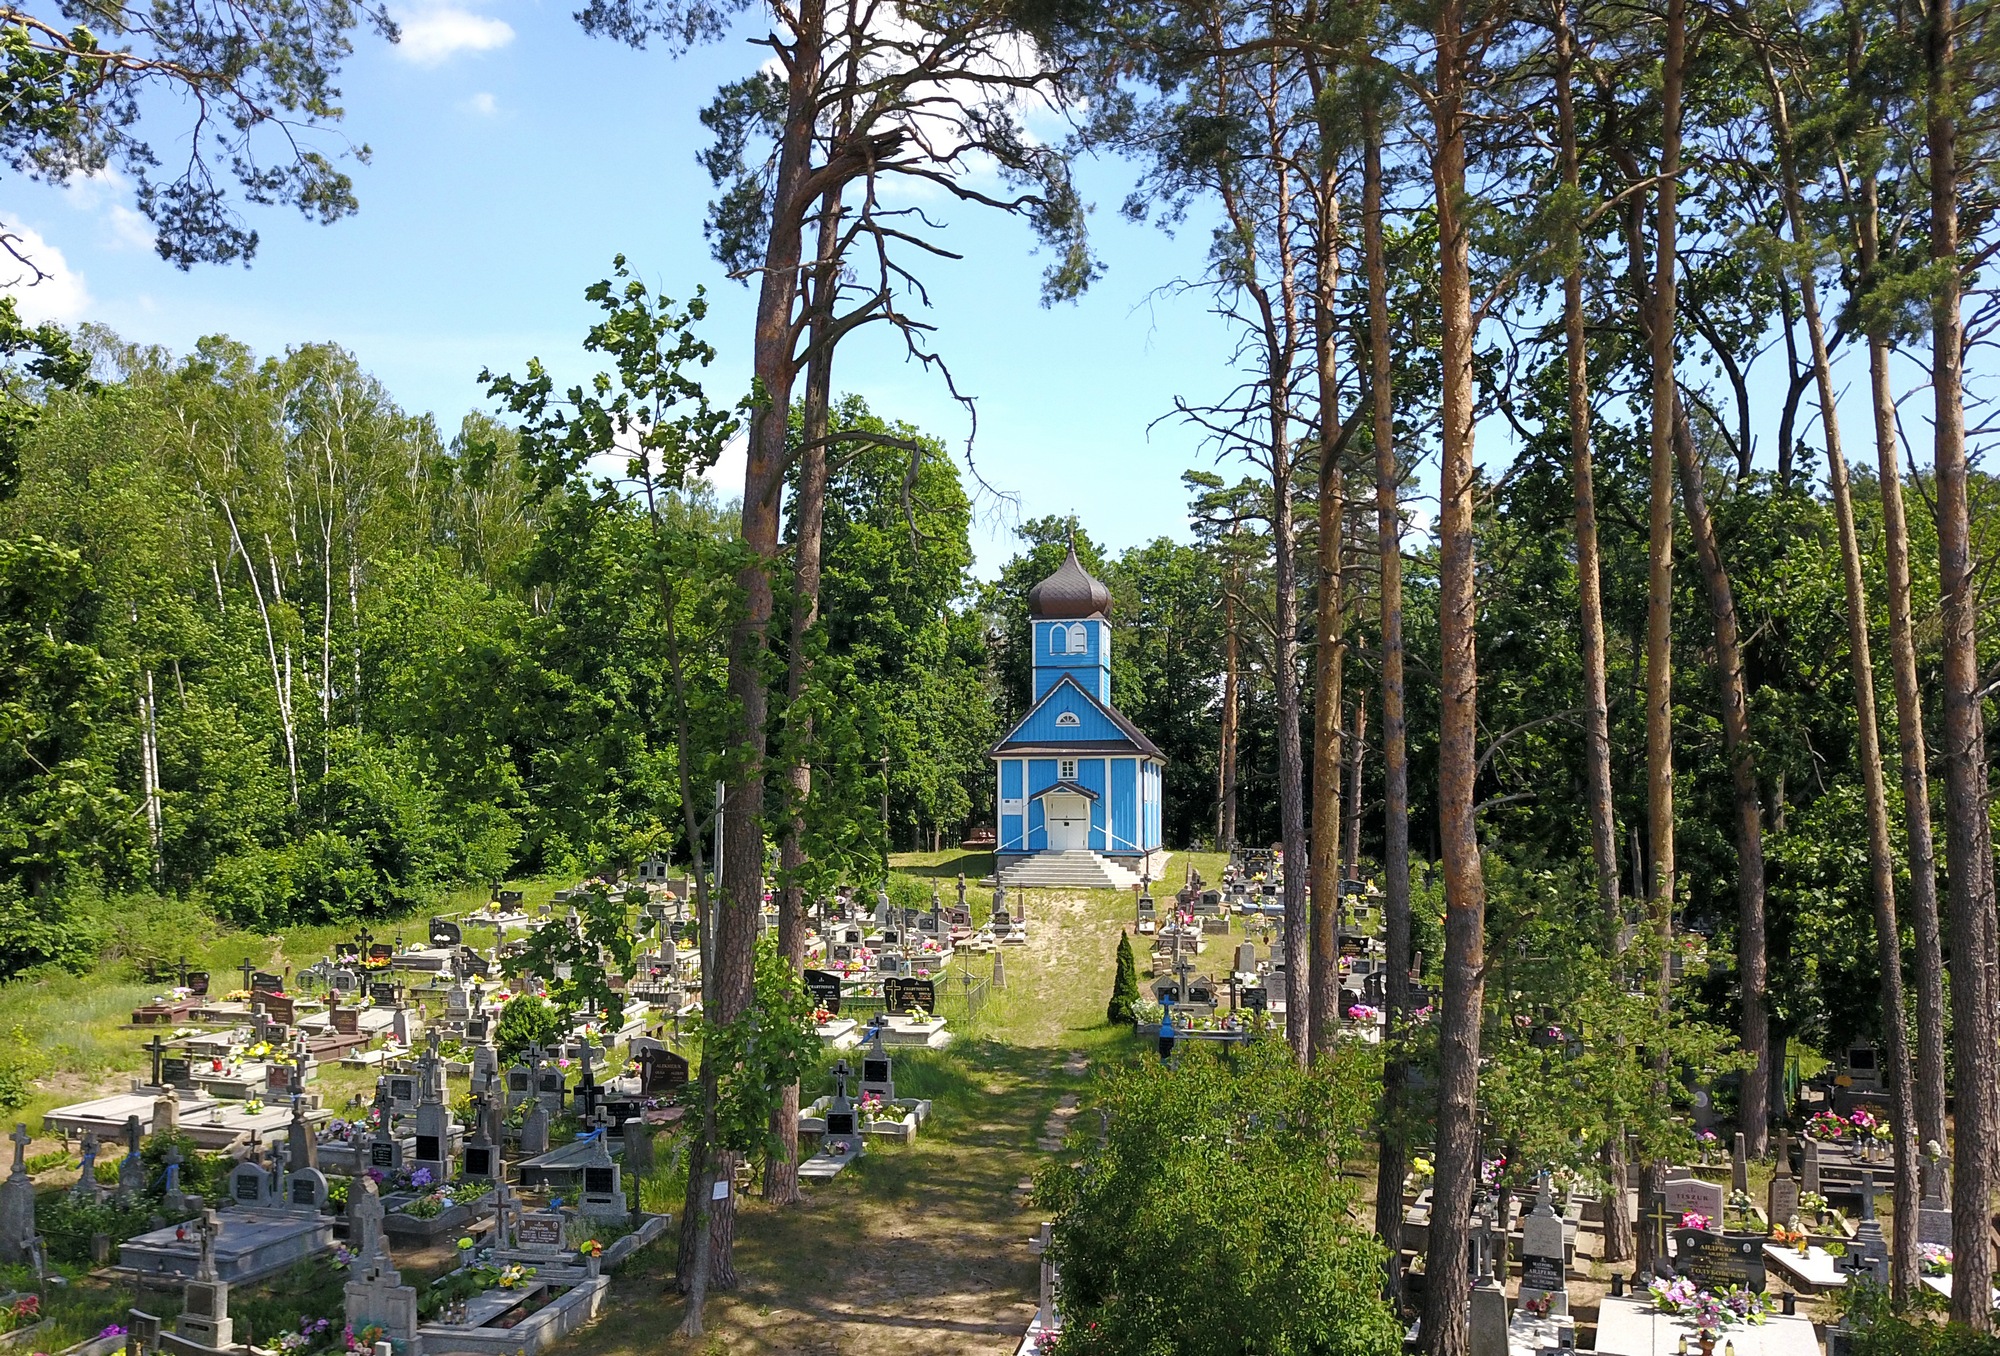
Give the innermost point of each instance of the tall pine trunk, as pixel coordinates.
(1225, 775)
(1329, 661)
(1392, 1153)
(1660, 544)
(781, 1169)
(1912, 754)
(774, 363)
(1463, 999)
(1881, 860)
(1590, 599)
(1966, 840)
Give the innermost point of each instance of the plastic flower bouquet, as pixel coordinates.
(1694, 1219)
(1934, 1258)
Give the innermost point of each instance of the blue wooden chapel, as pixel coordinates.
(1074, 774)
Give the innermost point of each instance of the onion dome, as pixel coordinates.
(1069, 592)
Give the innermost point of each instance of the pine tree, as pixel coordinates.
(1125, 986)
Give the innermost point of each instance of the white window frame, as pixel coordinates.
(1065, 769)
(1079, 639)
(1068, 719)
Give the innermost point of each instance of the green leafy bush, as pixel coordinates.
(525, 1021)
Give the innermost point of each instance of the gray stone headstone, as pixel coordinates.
(17, 1206)
(535, 1131)
(305, 1191)
(86, 1174)
(603, 1193)
(377, 1297)
(1934, 1214)
(1739, 1165)
(250, 1187)
(1543, 1252)
(1809, 1167)
(364, 1216)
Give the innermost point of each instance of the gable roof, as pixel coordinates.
(1128, 736)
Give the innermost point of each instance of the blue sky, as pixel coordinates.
(514, 156)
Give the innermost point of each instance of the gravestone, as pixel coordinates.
(364, 1216)
(900, 996)
(1691, 1195)
(376, 1297)
(444, 932)
(170, 1190)
(434, 1140)
(1809, 1167)
(1739, 1165)
(384, 995)
(1868, 1255)
(131, 1168)
(346, 1021)
(603, 1187)
(1781, 1198)
(1718, 1261)
(840, 1118)
(482, 1156)
(825, 990)
(520, 1085)
(250, 1187)
(1933, 1213)
(306, 1191)
(1542, 1252)
(1246, 959)
(263, 983)
(17, 1206)
(385, 1150)
(86, 1175)
(405, 1026)
(403, 1092)
(877, 1077)
(539, 1232)
(204, 1318)
(550, 1091)
(661, 1072)
(535, 1130)
(177, 1072)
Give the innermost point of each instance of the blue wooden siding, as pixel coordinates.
(1091, 668)
(1090, 775)
(1124, 804)
(1041, 776)
(1012, 827)
(1040, 727)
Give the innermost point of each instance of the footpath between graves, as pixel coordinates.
(920, 1247)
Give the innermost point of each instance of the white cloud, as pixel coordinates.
(484, 104)
(60, 295)
(437, 33)
(106, 195)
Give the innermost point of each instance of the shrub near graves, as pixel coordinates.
(1214, 1219)
(1124, 985)
(525, 1021)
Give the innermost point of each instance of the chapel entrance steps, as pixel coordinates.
(1077, 870)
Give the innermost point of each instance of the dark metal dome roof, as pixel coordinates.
(1069, 592)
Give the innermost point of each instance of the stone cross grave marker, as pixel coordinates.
(1543, 1268)
(1781, 1200)
(17, 1205)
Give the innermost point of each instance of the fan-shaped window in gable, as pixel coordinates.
(1068, 719)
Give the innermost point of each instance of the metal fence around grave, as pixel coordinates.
(961, 997)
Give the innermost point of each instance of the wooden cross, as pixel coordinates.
(248, 970)
(184, 972)
(158, 1048)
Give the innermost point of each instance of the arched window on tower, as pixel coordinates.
(1079, 639)
(1058, 639)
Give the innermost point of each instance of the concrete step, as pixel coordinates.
(1076, 869)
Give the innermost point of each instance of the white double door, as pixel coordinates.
(1068, 819)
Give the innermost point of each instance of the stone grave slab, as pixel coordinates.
(1632, 1327)
(1817, 1270)
(252, 1244)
